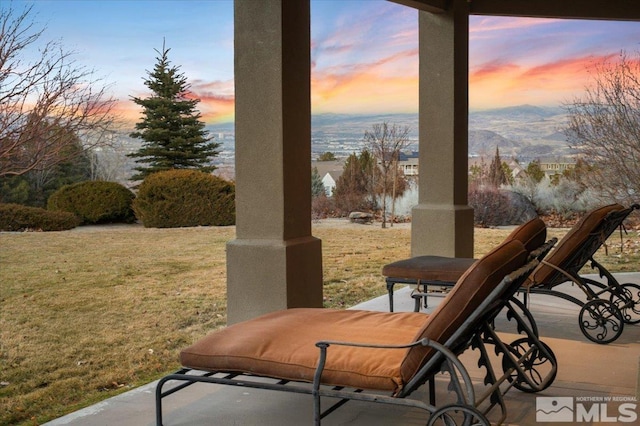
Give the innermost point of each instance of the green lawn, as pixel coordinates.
(88, 313)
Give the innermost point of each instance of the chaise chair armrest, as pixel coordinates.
(449, 356)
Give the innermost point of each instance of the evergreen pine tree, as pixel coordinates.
(173, 135)
(497, 176)
(534, 171)
(317, 187)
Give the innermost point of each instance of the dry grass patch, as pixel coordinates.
(86, 314)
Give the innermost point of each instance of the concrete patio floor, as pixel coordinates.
(588, 372)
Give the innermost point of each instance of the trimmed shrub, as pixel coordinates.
(522, 209)
(95, 202)
(322, 207)
(15, 217)
(177, 198)
(494, 207)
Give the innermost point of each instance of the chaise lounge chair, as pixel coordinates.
(378, 357)
(607, 307)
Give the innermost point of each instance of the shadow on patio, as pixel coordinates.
(608, 375)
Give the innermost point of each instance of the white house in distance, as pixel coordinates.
(329, 172)
(329, 181)
(408, 163)
(556, 166)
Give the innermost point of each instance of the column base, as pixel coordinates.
(442, 230)
(268, 275)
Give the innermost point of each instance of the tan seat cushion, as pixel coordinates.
(570, 244)
(282, 344)
(429, 268)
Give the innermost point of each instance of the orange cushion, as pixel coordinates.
(468, 293)
(282, 344)
(570, 244)
(532, 234)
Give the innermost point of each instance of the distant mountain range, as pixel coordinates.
(525, 131)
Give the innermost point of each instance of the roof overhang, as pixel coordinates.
(615, 10)
(433, 6)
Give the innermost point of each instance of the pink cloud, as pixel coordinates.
(491, 70)
(486, 24)
(329, 81)
(217, 99)
(549, 83)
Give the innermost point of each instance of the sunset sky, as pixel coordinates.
(364, 52)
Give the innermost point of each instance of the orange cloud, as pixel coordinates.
(495, 85)
(389, 84)
(215, 109)
(217, 100)
(369, 93)
(490, 71)
(127, 111)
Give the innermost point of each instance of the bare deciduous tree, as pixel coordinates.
(385, 142)
(109, 162)
(604, 126)
(44, 101)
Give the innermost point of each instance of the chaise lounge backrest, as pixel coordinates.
(532, 234)
(572, 244)
(473, 287)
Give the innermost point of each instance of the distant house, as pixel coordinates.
(329, 172)
(556, 166)
(517, 170)
(329, 181)
(409, 163)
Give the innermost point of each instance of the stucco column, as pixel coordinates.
(274, 262)
(442, 222)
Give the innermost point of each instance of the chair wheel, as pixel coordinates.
(628, 302)
(601, 321)
(457, 415)
(536, 366)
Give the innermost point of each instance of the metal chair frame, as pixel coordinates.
(601, 320)
(474, 332)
